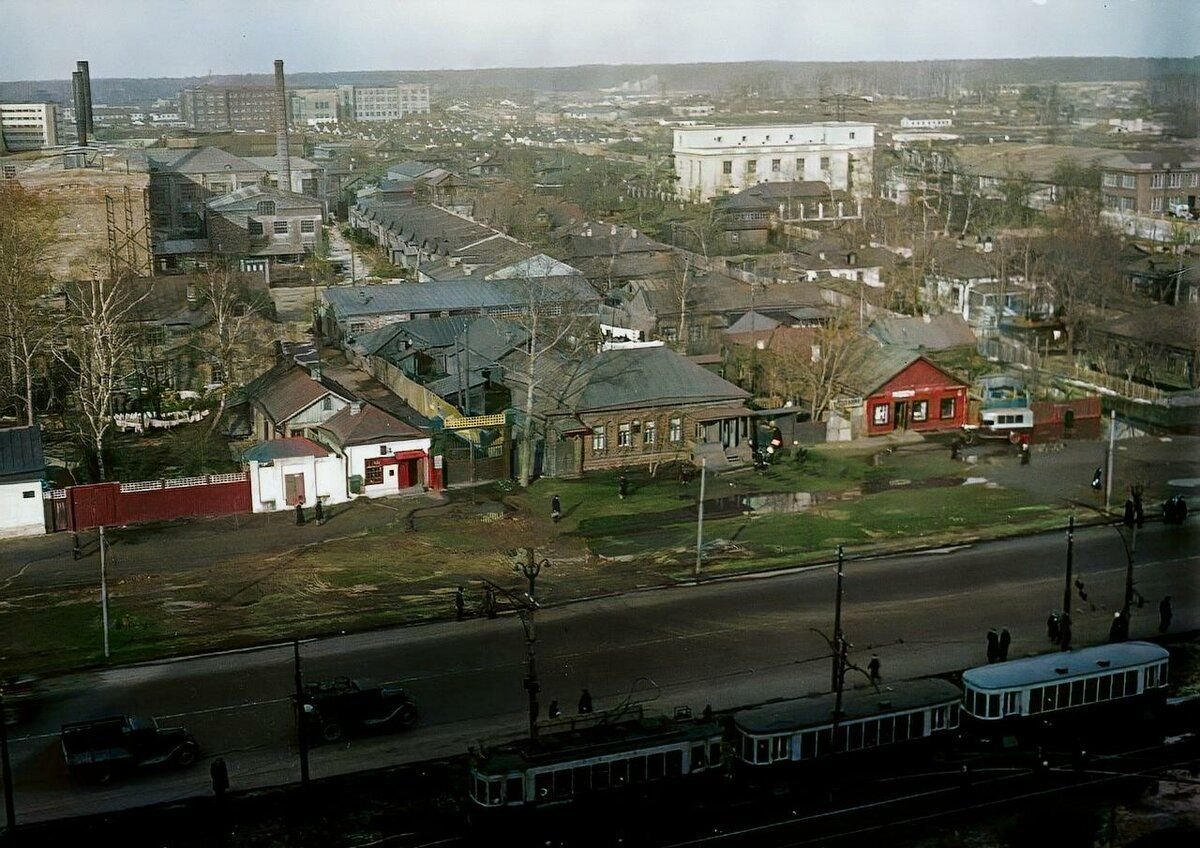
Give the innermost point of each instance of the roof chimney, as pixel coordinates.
(281, 130)
(82, 67)
(315, 370)
(356, 407)
(81, 130)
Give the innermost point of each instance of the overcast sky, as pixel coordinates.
(41, 39)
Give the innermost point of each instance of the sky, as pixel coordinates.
(41, 39)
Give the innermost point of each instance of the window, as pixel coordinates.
(1156, 204)
(775, 165)
(1089, 690)
(695, 332)
(1076, 693)
(852, 135)
(781, 748)
(800, 167)
(1112, 180)
(674, 762)
(266, 207)
(752, 166)
(1131, 684)
(515, 790)
(280, 227)
(824, 163)
(885, 730)
(1128, 181)
(879, 414)
(600, 776)
(698, 760)
(1156, 181)
(1175, 181)
(308, 226)
(1049, 701)
(649, 433)
(326, 404)
(1035, 701)
(1127, 203)
(543, 784)
(1195, 181)
(624, 435)
(675, 431)
(1105, 688)
(727, 166)
(1012, 703)
(947, 407)
(28, 494)
(255, 227)
(374, 472)
(655, 764)
(920, 410)
(599, 440)
(1151, 677)
(637, 769)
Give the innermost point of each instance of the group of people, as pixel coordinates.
(585, 705)
(1058, 629)
(997, 645)
(1174, 510)
(489, 608)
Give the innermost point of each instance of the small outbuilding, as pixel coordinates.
(22, 468)
(293, 471)
(906, 391)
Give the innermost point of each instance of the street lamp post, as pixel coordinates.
(1066, 604)
(531, 567)
(839, 639)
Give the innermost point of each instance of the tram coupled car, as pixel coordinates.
(591, 760)
(784, 741)
(1095, 693)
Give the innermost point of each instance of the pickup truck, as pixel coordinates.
(333, 708)
(99, 749)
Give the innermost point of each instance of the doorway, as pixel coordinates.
(900, 415)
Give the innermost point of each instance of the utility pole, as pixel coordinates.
(10, 811)
(1112, 437)
(839, 640)
(301, 718)
(104, 591)
(700, 519)
(1129, 552)
(531, 567)
(1066, 604)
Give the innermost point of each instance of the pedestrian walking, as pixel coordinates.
(1139, 512)
(555, 509)
(219, 772)
(1165, 614)
(460, 604)
(585, 702)
(1025, 456)
(299, 514)
(1064, 627)
(319, 511)
(1005, 641)
(1098, 479)
(554, 711)
(873, 668)
(1117, 631)
(489, 602)
(1128, 516)
(1052, 630)
(622, 486)
(993, 646)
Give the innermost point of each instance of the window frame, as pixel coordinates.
(599, 439)
(950, 403)
(881, 414)
(624, 435)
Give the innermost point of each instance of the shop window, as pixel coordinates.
(947, 407)
(879, 414)
(374, 472)
(920, 410)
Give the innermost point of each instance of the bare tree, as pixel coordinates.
(27, 235)
(98, 345)
(819, 371)
(227, 339)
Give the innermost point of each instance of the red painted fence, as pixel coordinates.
(115, 504)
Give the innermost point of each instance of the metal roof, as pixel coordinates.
(290, 448)
(817, 710)
(1049, 668)
(369, 424)
(455, 296)
(21, 452)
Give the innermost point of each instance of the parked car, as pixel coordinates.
(103, 748)
(335, 708)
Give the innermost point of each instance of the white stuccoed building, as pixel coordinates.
(711, 161)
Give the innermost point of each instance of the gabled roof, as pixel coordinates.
(927, 332)
(271, 163)
(752, 321)
(369, 424)
(246, 199)
(287, 389)
(290, 448)
(457, 296)
(201, 160)
(1168, 326)
(410, 168)
(879, 365)
(21, 453)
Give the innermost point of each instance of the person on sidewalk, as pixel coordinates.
(1098, 479)
(1165, 614)
(622, 486)
(993, 646)
(1118, 631)
(489, 602)
(873, 668)
(319, 511)
(554, 711)
(460, 604)
(1005, 641)
(1052, 629)
(555, 509)
(299, 514)
(1064, 628)
(585, 702)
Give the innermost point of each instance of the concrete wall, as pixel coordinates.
(21, 510)
(357, 455)
(324, 477)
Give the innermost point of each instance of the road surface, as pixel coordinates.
(724, 643)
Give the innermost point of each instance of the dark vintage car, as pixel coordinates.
(103, 748)
(23, 695)
(338, 707)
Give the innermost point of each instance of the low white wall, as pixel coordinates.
(21, 510)
(324, 477)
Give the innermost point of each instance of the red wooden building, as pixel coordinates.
(908, 392)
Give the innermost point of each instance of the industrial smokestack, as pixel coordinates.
(82, 67)
(281, 131)
(81, 128)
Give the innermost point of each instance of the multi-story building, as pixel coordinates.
(1150, 182)
(313, 106)
(382, 102)
(926, 123)
(219, 108)
(711, 161)
(28, 126)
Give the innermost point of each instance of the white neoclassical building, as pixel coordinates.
(711, 161)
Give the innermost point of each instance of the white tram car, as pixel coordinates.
(1065, 685)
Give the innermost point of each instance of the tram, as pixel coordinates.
(588, 758)
(1065, 690)
(903, 715)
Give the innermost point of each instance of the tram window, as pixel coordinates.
(762, 750)
(637, 769)
(1118, 685)
(619, 771)
(870, 734)
(856, 736)
(1012, 703)
(747, 749)
(698, 762)
(780, 748)
(969, 701)
(1131, 683)
(808, 745)
(1076, 693)
(674, 763)
(937, 718)
(583, 779)
(562, 783)
(824, 742)
(1151, 677)
(839, 739)
(714, 754)
(543, 784)
(885, 730)
(654, 766)
(514, 793)
(901, 728)
(1105, 688)
(1064, 695)
(954, 715)
(1049, 699)
(1035, 700)
(477, 790)
(494, 786)
(600, 776)
(916, 725)
(1089, 690)
(1162, 675)
(993, 706)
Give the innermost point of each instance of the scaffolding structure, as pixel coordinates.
(129, 251)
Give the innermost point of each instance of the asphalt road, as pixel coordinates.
(725, 643)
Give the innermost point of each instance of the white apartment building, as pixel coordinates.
(711, 161)
(310, 107)
(382, 102)
(926, 123)
(28, 126)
